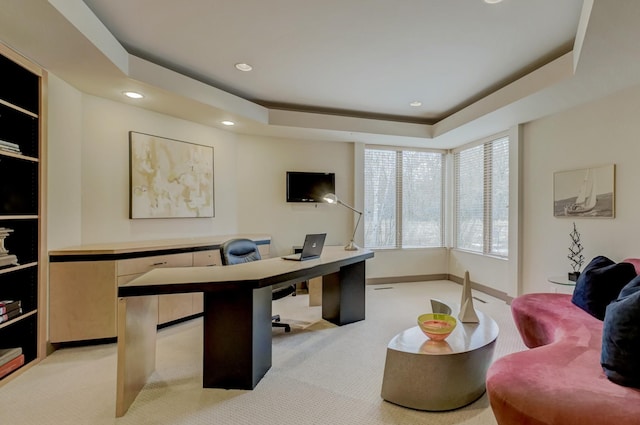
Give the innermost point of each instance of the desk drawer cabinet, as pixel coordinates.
(170, 307)
(83, 294)
(82, 300)
(210, 257)
(138, 266)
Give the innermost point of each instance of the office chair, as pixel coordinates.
(238, 251)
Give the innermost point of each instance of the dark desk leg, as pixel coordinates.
(343, 296)
(237, 338)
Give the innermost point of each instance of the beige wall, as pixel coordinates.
(88, 186)
(105, 173)
(88, 183)
(487, 271)
(261, 169)
(64, 210)
(601, 132)
(88, 173)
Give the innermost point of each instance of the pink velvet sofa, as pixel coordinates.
(559, 381)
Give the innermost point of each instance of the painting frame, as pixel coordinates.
(169, 178)
(585, 192)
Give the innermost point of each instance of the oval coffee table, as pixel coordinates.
(439, 375)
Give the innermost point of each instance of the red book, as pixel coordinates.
(9, 306)
(11, 365)
(10, 315)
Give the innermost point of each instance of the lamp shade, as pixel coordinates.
(330, 198)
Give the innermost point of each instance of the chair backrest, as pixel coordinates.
(237, 251)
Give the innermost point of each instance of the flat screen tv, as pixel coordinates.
(309, 187)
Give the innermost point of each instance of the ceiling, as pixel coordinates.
(355, 57)
(336, 69)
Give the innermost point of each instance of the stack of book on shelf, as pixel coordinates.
(10, 309)
(9, 147)
(6, 259)
(10, 360)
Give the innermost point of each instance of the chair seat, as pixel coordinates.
(282, 292)
(238, 251)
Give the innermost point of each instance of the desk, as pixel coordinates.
(237, 314)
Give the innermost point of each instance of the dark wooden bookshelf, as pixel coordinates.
(21, 205)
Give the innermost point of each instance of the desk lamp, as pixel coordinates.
(331, 198)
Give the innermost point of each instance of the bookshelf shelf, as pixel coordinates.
(22, 244)
(17, 108)
(18, 156)
(23, 316)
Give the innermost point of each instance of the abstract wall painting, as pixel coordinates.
(169, 178)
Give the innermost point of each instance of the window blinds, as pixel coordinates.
(481, 195)
(403, 198)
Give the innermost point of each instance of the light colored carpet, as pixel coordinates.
(321, 373)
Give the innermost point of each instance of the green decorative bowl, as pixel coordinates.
(437, 326)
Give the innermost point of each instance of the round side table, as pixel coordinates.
(561, 284)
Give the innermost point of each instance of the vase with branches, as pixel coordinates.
(576, 259)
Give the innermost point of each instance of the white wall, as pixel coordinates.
(408, 262)
(88, 171)
(64, 178)
(261, 169)
(89, 188)
(487, 271)
(602, 132)
(105, 174)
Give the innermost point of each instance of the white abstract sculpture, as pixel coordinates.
(467, 312)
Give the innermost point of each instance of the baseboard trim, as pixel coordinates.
(444, 276)
(483, 288)
(404, 279)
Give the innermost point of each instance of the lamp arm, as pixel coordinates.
(349, 206)
(356, 226)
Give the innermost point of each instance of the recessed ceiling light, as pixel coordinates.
(492, 1)
(133, 95)
(243, 67)
(228, 123)
(416, 103)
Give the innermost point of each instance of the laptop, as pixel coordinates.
(311, 249)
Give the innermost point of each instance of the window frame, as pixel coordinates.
(399, 195)
(488, 195)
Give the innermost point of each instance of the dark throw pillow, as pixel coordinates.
(630, 288)
(600, 283)
(621, 338)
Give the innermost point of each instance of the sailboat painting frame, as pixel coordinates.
(585, 192)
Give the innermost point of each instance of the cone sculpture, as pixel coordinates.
(467, 312)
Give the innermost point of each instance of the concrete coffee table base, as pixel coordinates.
(439, 375)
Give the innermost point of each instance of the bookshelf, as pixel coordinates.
(22, 194)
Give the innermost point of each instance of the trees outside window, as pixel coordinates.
(404, 193)
(481, 197)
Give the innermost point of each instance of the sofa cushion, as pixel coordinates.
(635, 262)
(621, 337)
(600, 283)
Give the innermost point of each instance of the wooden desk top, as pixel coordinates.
(132, 247)
(255, 274)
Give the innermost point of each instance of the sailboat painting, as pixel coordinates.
(587, 192)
